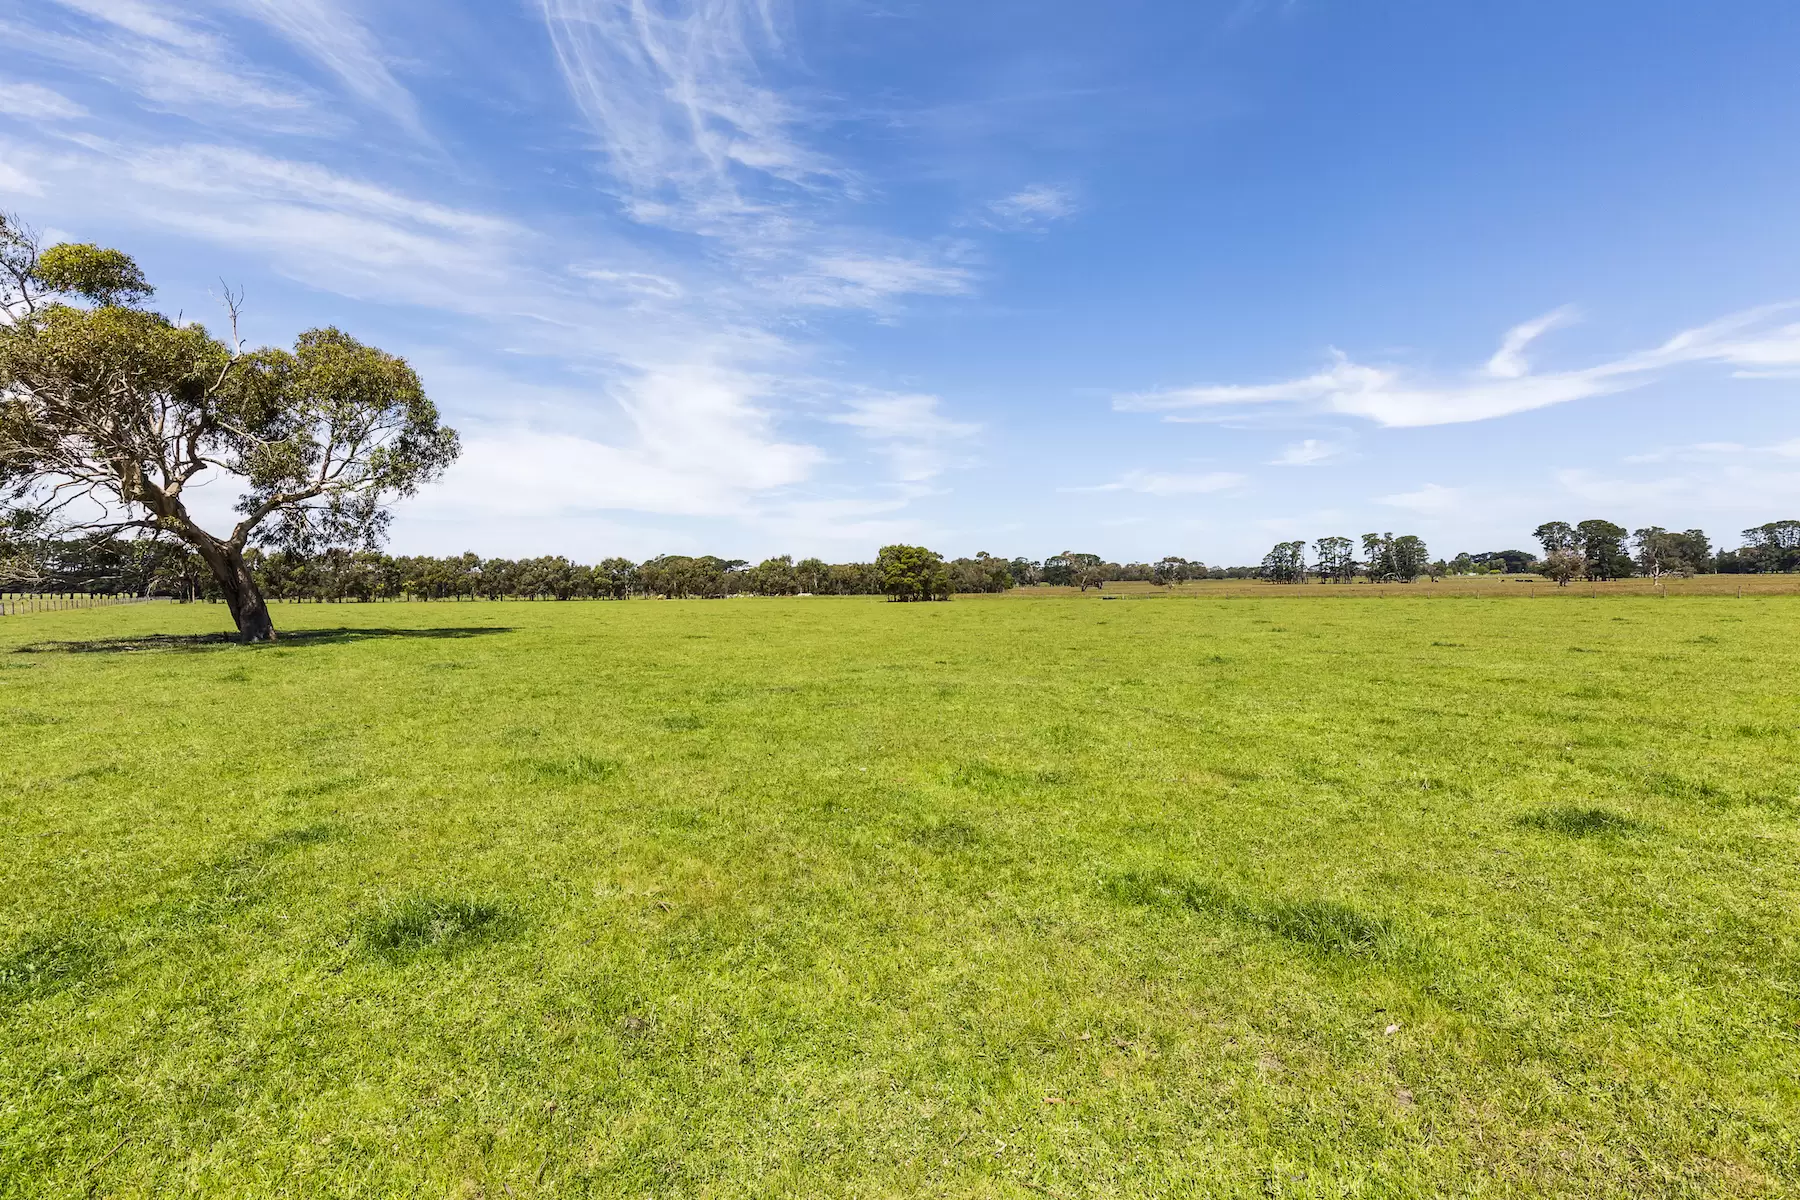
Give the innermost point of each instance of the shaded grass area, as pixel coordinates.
(1323, 926)
(218, 641)
(434, 925)
(1581, 822)
(1010, 897)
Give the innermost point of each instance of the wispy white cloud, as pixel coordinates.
(14, 182)
(1308, 453)
(1712, 452)
(1509, 361)
(164, 56)
(147, 20)
(1756, 342)
(1035, 206)
(695, 443)
(696, 139)
(1432, 500)
(1156, 483)
(313, 224)
(329, 33)
(1749, 480)
(643, 283)
(35, 102)
(676, 94)
(679, 380)
(847, 279)
(911, 429)
(681, 403)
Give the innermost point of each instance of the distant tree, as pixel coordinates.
(1511, 562)
(1769, 548)
(1286, 563)
(23, 564)
(983, 573)
(1025, 573)
(1335, 559)
(1465, 564)
(913, 573)
(1084, 570)
(1560, 566)
(812, 575)
(1695, 549)
(1660, 552)
(1557, 535)
(1410, 558)
(1603, 550)
(495, 578)
(1395, 559)
(1173, 570)
(615, 578)
(109, 413)
(854, 579)
(1375, 555)
(774, 577)
(1058, 571)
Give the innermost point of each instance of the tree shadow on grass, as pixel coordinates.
(190, 642)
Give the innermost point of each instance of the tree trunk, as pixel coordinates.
(249, 610)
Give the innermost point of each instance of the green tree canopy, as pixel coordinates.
(1556, 535)
(1603, 550)
(109, 414)
(102, 277)
(1286, 563)
(913, 573)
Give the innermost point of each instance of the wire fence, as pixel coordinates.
(18, 604)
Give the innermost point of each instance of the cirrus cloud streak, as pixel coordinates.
(1757, 343)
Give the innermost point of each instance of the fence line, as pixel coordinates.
(18, 604)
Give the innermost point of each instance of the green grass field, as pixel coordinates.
(1022, 896)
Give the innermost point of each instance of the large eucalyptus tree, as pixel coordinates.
(110, 414)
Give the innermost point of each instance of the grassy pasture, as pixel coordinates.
(1461, 587)
(1014, 896)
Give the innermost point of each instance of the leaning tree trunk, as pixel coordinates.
(248, 609)
(245, 600)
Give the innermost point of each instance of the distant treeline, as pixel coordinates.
(1594, 550)
(1588, 550)
(145, 567)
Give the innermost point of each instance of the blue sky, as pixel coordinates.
(1140, 278)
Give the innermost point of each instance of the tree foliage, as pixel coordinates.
(1286, 563)
(1560, 566)
(105, 278)
(1395, 559)
(1336, 559)
(1557, 535)
(1661, 552)
(110, 413)
(1767, 548)
(1603, 550)
(983, 573)
(912, 573)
